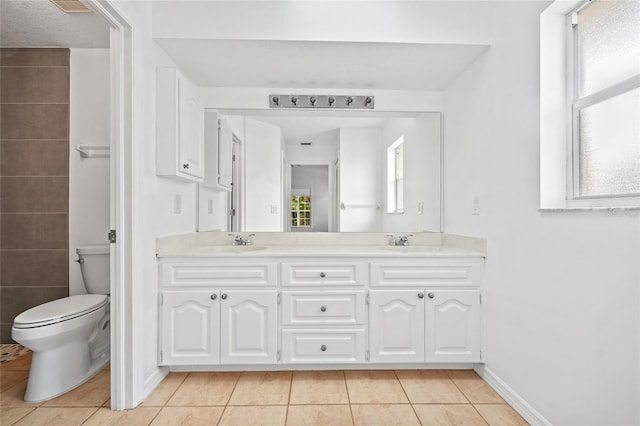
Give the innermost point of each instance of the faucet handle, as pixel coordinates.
(248, 240)
(392, 239)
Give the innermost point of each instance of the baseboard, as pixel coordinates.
(511, 397)
(153, 381)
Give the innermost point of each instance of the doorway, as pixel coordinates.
(310, 205)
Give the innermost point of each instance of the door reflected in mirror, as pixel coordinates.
(325, 172)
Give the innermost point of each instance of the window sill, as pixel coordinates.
(587, 209)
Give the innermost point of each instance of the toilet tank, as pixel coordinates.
(94, 266)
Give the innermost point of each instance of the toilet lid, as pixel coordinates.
(60, 310)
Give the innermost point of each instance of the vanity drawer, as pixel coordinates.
(219, 274)
(406, 273)
(323, 346)
(335, 307)
(324, 273)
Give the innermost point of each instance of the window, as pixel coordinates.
(301, 208)
(395, 176)
(604, 76)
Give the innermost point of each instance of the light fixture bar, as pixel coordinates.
(322, 101)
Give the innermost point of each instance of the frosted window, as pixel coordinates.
(610, 146)
(608, 44)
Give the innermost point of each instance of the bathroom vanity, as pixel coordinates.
(319, 301)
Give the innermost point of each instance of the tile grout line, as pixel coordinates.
(395, 373)
(226, 405)
(175, 391)
(467, 398)
(34, 409)
(344, 376)
(286, 415)
(87, 419)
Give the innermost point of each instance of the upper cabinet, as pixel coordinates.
(179, 127)
(218, 139)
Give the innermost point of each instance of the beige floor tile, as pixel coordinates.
(500, 414)
(188, 416)
(165, 390)
(262, 388)
(474, 388)
(430, 387)
(319, 415)
(449, 415)
(265, 415)
(95, 392)
(10, 415)
(8, 378)
(204, 389)
(57, 416)
(318, 387)
(140, 416)
(20, 363)
(384, 415)
(14, 396)
(374, 387)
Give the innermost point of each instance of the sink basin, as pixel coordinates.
(233, 249)
(411, 249)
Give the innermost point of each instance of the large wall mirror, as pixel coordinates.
(323, 171)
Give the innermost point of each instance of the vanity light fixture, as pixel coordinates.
(321, 101)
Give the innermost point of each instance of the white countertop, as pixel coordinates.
(426, 245)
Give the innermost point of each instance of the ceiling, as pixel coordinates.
(311, 64)
(38, 23)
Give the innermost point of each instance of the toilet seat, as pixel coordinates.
(60, 310)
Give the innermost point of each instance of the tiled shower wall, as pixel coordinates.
(34, 180)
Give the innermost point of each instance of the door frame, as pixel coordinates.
(330, 186)
(124, 387)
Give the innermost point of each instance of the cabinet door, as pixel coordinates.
(396, 326)
(191, 130)
(248, 327)
(190, 328)
(452, 324)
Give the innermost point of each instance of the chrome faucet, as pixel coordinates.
(239, 240)
(399, 240)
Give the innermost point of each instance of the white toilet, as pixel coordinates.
(69, 337)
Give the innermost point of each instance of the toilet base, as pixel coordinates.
(45, 383)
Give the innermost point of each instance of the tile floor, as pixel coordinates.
(427, 397)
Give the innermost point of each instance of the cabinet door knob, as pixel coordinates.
(224, 296)
(185, 166)
(322, 275)
(214, 296)
(323, 348)
(420, 295)
(323, 308)
(431, 295)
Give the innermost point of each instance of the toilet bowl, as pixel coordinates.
(69, 337)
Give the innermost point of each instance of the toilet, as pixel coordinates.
(69, 337)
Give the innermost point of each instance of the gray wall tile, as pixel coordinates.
(34, 158)
(34, 268)
(34, 194)
(16, 300)
(34, 85)
(34, 231)
(34, 57)
(34, 121)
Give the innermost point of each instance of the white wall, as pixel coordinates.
(421, 173)
(88, 177)
(562, 294)
(317, 179)
(263, 180)
(360, 184)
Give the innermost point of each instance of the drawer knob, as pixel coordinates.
(214, 296)
(224, 296)
(185, 166)
(323, 308)
(431, 295)
(322, 275)
(323, 348)
(420, 295)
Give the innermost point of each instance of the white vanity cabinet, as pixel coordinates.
(292, 311)
(218, 313)
(179, 127)
(425, 311)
